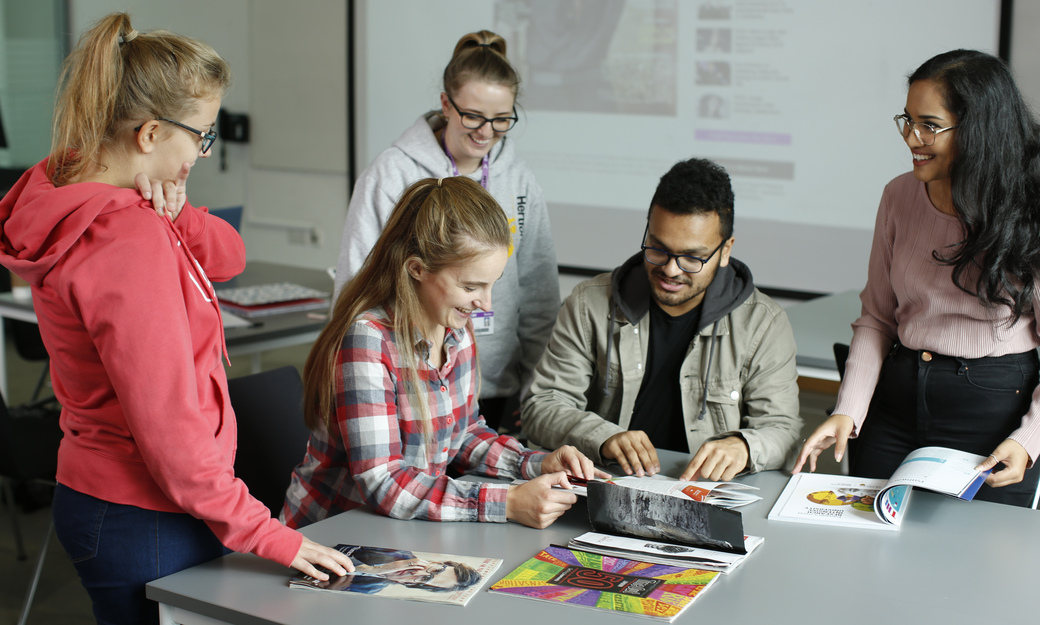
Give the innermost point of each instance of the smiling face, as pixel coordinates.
(924, 103)
(489, 100)
(449, 296)
(674, 290)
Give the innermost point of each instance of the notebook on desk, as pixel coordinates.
(271, 299)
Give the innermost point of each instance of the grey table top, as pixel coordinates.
(953, 561)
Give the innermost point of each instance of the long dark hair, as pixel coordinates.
(995, 178)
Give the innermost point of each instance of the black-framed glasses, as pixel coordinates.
(689, 264)
(472, 121)
(207, 137)
(432, 571)
(924, 131)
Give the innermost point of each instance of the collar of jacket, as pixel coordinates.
(630, 290)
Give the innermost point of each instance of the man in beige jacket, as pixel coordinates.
(675, 349)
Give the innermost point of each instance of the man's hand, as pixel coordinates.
(1014, 457)
(633, 451)
(719, 460)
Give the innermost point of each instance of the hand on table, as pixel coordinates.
(834, 431)
(718, 460)
(311, 554)
(633, 451)
(572, 462)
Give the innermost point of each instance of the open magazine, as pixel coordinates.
(589, 580)
(877, 503)
(411, 575)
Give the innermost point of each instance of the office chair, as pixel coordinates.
(29, 439)
(272, 437)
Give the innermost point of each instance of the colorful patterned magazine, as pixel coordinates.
(590, 580)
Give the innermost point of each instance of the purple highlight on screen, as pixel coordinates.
(739, 136)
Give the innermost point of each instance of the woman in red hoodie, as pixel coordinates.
(146, 485)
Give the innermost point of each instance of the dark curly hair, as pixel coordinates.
(995, 178)
(697, 186)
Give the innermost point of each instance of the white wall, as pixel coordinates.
(318, 200)
(283, 207)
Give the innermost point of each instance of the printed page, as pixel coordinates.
(943, 470)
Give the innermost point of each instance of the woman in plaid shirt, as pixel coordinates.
(392, 382)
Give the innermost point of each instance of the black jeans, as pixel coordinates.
(972, 404)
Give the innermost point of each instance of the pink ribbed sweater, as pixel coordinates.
(910, 295)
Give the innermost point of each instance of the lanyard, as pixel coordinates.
(455, 168)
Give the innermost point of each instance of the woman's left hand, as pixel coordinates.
(167, 196)
(572, 462)
(1015, 459)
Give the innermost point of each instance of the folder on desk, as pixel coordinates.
(272, 299)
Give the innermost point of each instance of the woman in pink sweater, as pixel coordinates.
(146, 482)
(945, 350)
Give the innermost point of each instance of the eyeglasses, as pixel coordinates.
(207, 137)
(689, 264)
(472, 121)
(924, 131)
(432, 571)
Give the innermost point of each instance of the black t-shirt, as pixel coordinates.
(658, 407)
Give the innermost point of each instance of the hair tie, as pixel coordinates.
(484, 45)
(439, 181)
(127, 38)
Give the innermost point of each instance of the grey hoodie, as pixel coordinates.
(526, 298)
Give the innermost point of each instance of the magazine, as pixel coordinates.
(411, 575)
(615, 509)
(721, 494)
(590, 580)
(878, 503)
(664, 553)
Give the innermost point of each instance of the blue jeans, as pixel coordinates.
(117, 549)
(971, 404)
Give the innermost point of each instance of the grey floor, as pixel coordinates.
(60, 598)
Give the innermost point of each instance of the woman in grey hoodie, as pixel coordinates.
(467, 137)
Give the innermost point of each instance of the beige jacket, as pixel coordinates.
(586, 383)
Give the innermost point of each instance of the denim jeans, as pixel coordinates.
(971, 404)
(117, 549)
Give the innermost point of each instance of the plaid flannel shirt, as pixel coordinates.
(378, 452)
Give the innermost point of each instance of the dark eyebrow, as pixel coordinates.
(691, 252)
(925, 117)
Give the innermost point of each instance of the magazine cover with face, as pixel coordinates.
(411, 575)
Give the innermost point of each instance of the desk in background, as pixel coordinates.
(952, 562)
(818, 324)
(273, 332)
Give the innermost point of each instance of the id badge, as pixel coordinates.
(483, 322)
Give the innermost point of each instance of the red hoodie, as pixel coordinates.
(133, 330)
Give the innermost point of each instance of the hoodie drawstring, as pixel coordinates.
(610, 333)
(707, 371)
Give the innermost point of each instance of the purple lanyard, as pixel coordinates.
(455, 168)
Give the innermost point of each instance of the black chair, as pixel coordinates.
(29, 439)
(272, 437)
